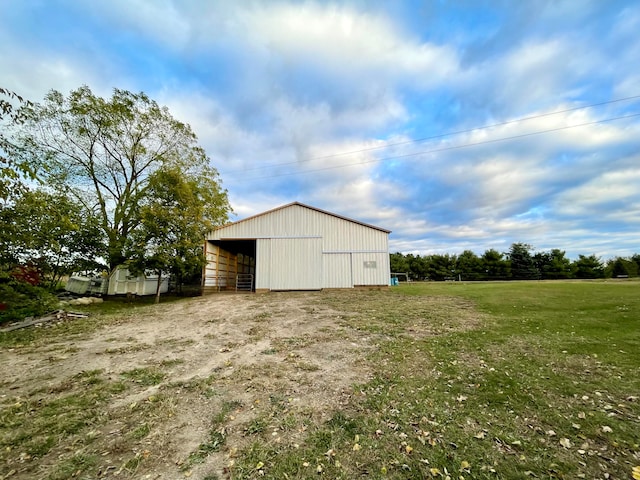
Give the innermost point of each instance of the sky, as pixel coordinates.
(457, 125)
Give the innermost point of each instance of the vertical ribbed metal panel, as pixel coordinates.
(370, 268)
(337, 270)
(301, 248)
(298, 221)
(341, 234)
(296, 264)
(263, 263)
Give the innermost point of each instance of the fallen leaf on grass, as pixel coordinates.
(635, 472)
(565, 442)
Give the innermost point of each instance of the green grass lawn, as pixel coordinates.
(467, 381)
(544, 384)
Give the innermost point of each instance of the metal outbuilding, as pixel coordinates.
(296, 247)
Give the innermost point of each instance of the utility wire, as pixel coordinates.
(434, 137)
(444, 149)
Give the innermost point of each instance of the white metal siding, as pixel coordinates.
(337, 270)
(263, 263)
(300, 248)
(298, 221)
(370, 268)
(296, 264)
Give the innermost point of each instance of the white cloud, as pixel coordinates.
(616, 188)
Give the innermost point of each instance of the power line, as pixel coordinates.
(433, 137)
(444, 149)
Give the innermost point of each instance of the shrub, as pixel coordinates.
(19, 300)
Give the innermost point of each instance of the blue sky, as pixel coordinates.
(455, 124)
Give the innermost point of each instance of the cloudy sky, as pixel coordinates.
(456, 124)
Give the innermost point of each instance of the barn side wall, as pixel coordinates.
(299, 248)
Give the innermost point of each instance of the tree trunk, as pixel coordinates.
(158, 286)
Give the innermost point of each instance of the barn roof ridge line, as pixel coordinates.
(282, 207)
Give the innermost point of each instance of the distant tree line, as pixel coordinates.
(519, 263)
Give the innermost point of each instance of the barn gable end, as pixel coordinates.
(296, 247)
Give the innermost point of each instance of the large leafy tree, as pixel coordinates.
(105, 151)
(174, 218)
(51, 232)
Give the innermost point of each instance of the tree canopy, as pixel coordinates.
(105, 151)
(51, 233)
(174, 218)
(13, 169)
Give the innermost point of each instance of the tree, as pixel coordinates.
(495, 266)
(418, 266)
(174, 219)
(441, 267)
(104, 152)
(13, 169)
(553, 264)
(522, 264)
(398, 263)
(621, 267)
(469, 266)
(51, 232)
(588, 267)
(635, 258)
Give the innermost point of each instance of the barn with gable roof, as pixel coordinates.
(296, 247)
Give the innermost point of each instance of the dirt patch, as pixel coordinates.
(259, 359)
(177, 390)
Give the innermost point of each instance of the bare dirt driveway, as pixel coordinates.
(175, 390)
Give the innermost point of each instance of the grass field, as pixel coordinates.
(480, 380)
(546, 385)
